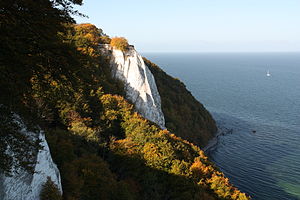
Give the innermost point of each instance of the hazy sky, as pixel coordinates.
(199, 25)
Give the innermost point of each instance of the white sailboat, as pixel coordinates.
(268, 73)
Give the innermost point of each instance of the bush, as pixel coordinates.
(50, 191)
(105, 39)
(119, 43)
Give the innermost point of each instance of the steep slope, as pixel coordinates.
(139, 83)
(184, 115)
(145, 162)
(169, 100)
(103, 148)
(23, 185)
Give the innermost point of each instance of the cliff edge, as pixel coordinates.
(139, 83)
(159, 97)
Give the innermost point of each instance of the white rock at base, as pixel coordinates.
(25, 186)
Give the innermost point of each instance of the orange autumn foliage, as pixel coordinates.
(120, 43)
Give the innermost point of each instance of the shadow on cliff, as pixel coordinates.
(150, 107)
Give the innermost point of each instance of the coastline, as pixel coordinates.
(213, 143)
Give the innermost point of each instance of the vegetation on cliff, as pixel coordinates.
(184, 115)
(50, 191)
(135, 155)
(120, 43)
(54, 75)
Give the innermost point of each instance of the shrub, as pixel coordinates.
(119, 43)
(50, 191)
(105, 39)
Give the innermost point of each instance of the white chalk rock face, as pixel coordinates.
(140, 86)
(24, 186)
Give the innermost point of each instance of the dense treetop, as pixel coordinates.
(120, 43)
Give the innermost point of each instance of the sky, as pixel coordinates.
(199, 25)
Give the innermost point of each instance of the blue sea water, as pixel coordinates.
(259, 116)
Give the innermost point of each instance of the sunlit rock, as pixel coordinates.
(140, 86)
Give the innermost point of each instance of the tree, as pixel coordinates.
(120, 43)
(105, 39)
(29, 45)
(90, 178)
(50, 191)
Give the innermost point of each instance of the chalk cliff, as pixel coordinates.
(139, 83)
(23, 185)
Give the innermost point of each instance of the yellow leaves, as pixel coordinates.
(115, 106)
(77, 124)
(200, 170)
(80, 49)
(126, 146)
(160, 155)
(79, 128)
(110, 101)
(220, 185)
(202, 155)
(87, 29)
(158, 149)
(164, 133)
(87, 37)
(54, 83)
(151, 152)
(90, 37)
(105, 40)
(180, 167)
(111, 114)
(99, 92)
(238, 195)
(88, 50)
(47, 76)
(119, 43)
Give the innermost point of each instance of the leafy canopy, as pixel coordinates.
(120, 43)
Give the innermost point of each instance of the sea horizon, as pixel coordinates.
(257, 115)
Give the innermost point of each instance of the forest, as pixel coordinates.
(54, 76)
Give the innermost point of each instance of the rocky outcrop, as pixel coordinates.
(140, 86)
(22, 185)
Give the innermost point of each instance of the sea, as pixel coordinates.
(258, 116)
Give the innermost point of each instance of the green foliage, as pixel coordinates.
(184, 115)
(87, 38)
(85, 175)
(30, 43)
(29, 46)
(105, 39)
(50, 191)
(53, 73)
(163, 151)
(90, 178)
(120, 43)
(136, 155)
